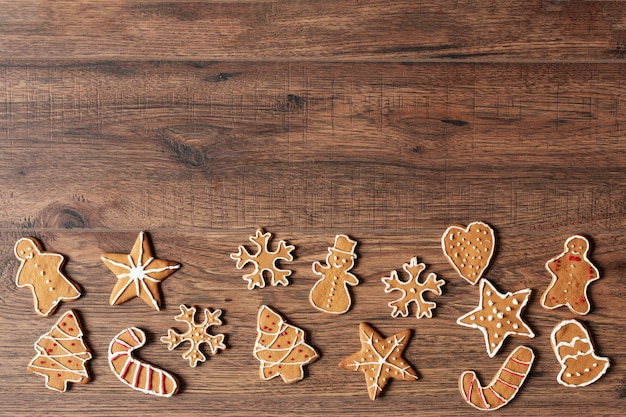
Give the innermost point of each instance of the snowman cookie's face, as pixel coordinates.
(577, 246)
(340, 260)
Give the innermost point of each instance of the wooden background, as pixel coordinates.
(199, 121)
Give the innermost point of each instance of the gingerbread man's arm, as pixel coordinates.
(553, 265)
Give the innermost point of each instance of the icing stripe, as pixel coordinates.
(503, 382)
(125, 369)
(513, 372)
(519, 362)
(497, 395)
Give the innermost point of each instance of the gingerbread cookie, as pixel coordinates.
(138, 273)
(503, 387)
(580, 366)
(469, 250)
(264, 261)
(196, 334)
(135, 373)
(280, 347)
(330, 294)
(498, 316)
(41, 271)
(571, 272)
(62, 354)
(380, 359)
(412, 290)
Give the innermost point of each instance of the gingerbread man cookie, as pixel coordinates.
(41, 271)
(330, 294)
(571, 272)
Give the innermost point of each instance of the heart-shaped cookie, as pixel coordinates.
(469, 250)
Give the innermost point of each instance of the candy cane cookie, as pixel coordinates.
(503, 386)
(137, 374)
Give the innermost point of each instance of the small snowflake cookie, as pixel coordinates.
(264, 261)
(380, 359)
(504, 385)
(412, 290)
(281, 348)
(196, 334)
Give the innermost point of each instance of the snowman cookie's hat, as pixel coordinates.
(344, 244)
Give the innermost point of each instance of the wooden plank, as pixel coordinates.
(405, 30)
(228, 383)
(306, 146)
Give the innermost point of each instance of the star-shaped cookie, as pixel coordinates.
(380, 359)
(498, 316)
(138, 273)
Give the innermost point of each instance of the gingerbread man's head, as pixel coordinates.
(26, 248)
(577, 245)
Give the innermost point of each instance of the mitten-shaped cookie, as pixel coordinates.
(574, 350)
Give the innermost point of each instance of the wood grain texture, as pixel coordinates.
(301, 30)
(200, 121)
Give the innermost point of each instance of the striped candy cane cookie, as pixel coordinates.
(503, 386)
(137, 374)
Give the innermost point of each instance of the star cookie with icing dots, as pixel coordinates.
(380, 359)
(138, 273)
(498, 316)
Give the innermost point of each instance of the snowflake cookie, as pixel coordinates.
(412, 290)
(380, 359)
(196, 334)
(264, 261)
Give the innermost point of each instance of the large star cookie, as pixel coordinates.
(498, 316)
(380, 359)
(138, 273)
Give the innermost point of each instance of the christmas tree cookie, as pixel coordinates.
(62, 354)
(281, 348)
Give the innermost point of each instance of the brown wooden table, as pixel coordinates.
(200, 121)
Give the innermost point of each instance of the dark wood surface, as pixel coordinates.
(200, 121)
